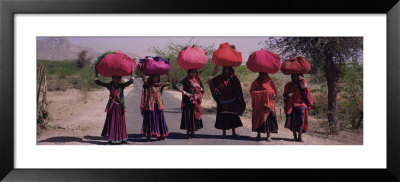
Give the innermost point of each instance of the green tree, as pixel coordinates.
(351, 105)
(329, 53)
(83, 59)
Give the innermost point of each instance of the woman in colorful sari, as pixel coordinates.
(298, 102)
(192, 92)
(115, 125)
(263, 94)
(152, 107)
(227, 92)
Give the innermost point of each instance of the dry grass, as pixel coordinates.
(58, 85)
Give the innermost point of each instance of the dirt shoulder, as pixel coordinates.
(75, 117)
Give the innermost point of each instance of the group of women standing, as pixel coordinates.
(226, 91)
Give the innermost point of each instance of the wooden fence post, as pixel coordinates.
(40, 81)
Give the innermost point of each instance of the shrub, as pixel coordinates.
(82, 59)
(320, 98)
(86, 78)
(318, 77)
(351, 97)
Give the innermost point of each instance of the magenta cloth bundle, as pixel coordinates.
(115, 64)
(192, 58)
(155, 66)
(264, 61)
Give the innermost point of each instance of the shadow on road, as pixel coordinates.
(284, 139)
(181, 136)
(212, 110)
(174, 135)
(98, 140)
(136, 138)
(172, 111)
(94, 137)
(241, 137)
(65, 139)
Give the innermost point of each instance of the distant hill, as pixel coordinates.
(60, 49)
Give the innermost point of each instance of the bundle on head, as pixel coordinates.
(192, 58)
(115, 63)
(155, 66)
(295, 65)
(264, 61)
(227, 56)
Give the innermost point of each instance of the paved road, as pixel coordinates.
(208, 135)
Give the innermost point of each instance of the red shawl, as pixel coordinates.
(116, 95)
(226, 91)
(263, 95)
(300, 99)
(197, 96)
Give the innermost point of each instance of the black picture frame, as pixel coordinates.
(9, 8)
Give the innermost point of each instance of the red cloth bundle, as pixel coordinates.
(155, 66)
(264, 61)
(295, 65)
(226, 56)
(115, 64)
(192, 58)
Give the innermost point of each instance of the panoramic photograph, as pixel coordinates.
(199, 90)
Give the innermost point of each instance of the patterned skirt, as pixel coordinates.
(188, 121)
(115, 125)
(154, 123)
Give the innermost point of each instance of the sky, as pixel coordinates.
(141, 45)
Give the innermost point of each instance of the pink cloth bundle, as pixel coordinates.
(264, 61)
(115, 64)
(192, 58)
